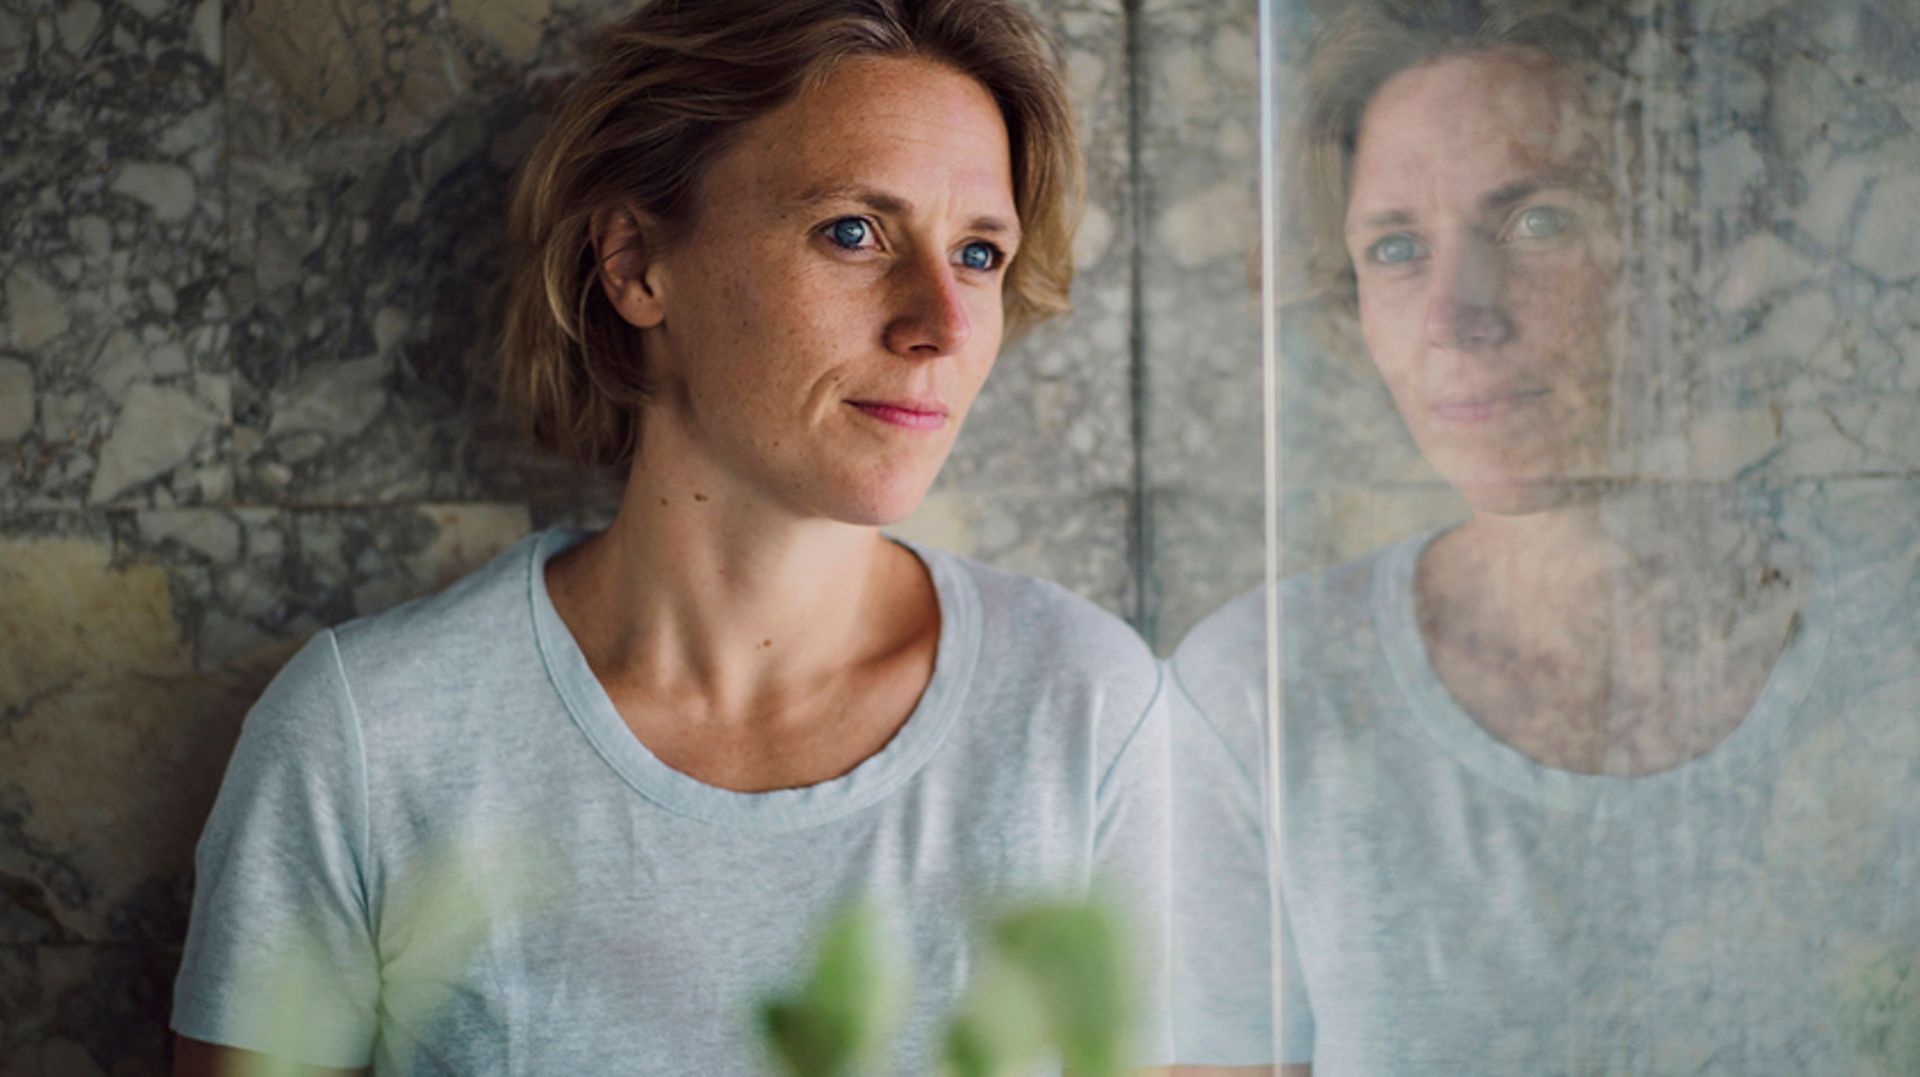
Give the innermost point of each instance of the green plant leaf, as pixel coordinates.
(1002, 1025)
(842, 1018)
(1073, 956)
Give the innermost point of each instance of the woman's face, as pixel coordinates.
(1485, 247)
(836, 304)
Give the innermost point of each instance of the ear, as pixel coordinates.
(626, 248)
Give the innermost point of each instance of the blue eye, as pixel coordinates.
(981, 256)
(1542, 222)
(850, 232)
(1393, 250)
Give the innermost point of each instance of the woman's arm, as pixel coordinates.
(279, 955)
(1222, 899)
(195, 1058)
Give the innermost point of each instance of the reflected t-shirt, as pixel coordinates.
(438, 848)
(1450, 906)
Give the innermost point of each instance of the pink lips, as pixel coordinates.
(910, 414)
(1480, 407)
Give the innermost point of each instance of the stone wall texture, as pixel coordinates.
(242, 248)
(246, 249)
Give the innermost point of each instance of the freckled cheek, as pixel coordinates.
(760, 348)
(1568, 313)
(732, 316)
(1392, 321)
(1561, 307)
(987, 322)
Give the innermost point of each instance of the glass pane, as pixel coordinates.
(1592, 346)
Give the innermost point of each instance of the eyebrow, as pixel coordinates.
(1500, 198)
(1392, 218)
(1508, 195)
(882, 202)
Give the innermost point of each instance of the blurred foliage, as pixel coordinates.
(1878, 1010)
(1002, 1021)
(841, 1019)
(452, 902)
(1071, 954)
(1050, 981)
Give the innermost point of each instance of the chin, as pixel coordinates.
(884, 490)
(880, 504)
(1517, 479)
(878, 516)
(1523, 496)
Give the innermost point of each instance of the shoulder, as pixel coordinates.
(446, 638)
(1045, 651)
(303, 716)
(341, 693)
(1326, 622)
(1219, 677)
(1343, 593)
(1229, 645)
(1058, 628)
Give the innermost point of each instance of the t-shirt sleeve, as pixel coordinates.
(1222, 898)
(1130, 854)
(279, 955)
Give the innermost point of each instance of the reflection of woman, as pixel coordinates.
(1571, 786)
(579, 812)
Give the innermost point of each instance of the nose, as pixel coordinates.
(930, 317)
(1464, 307)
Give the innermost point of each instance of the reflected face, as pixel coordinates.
(836, 305)
(1485, 249)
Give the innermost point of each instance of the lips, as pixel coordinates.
(906, 414)
(1482, 406)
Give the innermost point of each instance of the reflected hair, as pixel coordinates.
(1363, 47)
(664, 93)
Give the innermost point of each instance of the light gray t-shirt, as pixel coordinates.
(1450, 906)
(438, 848)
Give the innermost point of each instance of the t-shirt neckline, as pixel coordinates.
(1440, 715)
(586, 701)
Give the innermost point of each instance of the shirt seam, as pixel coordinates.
(1133, 735)
(1180, 685)
(362, 854)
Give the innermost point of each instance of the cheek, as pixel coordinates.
(988, 318)
(1568, 307)
(775, 322)
(974, 374)
(1390, 324)
(712, 313)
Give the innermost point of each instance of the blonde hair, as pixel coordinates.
(662, 97)
(1359, 51)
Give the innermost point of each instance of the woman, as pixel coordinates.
(582, 811)
(1600, 779)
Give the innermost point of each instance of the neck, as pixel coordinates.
(1687, 544)
(1621, 636)
(702, 590)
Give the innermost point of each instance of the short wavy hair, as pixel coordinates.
(663, 94)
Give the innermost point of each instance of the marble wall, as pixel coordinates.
(1199, 311)
(242, 298)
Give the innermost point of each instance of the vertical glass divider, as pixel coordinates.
(1268, 29)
